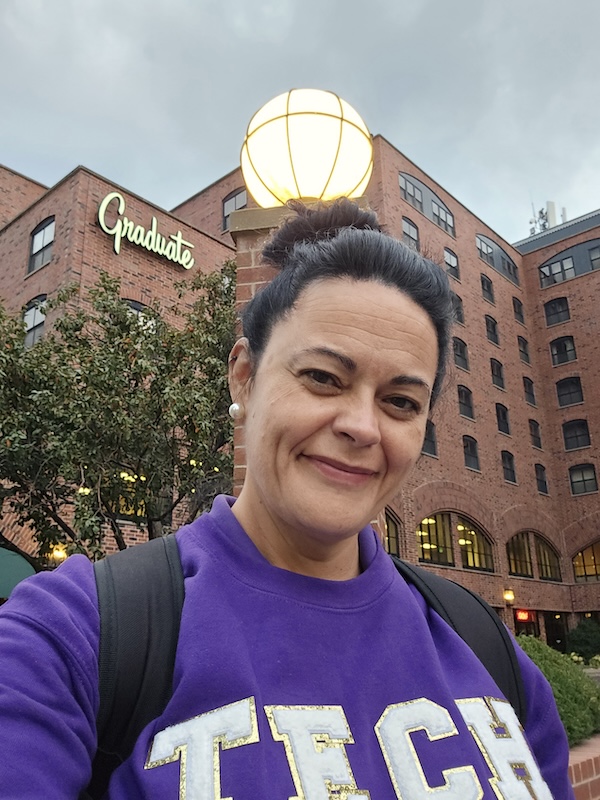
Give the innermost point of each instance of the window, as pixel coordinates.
(42, 238)
(529, 391)
(434, 536)
(497, 373)
(535, 434)
(393, 527)
(475, 547)
(461, 354)
(470, 452)
(583, 479)
(429, 442)
(586, 564)
(502, 418)
(557, 272)
(540, 478)
(442, 217)
(557, 311)
(411, 193)
(451, 261)
(509, 268)
(233, 202)
(34, 317)
(576, 434)
(465, 402)
(491, 329)
(547, 560)
(508, 467)
(595, 258)
(410, 233)
(518, 310)
(457, 305)
(485, 250)
(519, 555)
(523, 349)
(569, 392)
(563, 350)
(487, 288)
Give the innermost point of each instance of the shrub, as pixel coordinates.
(585, 639)
(577, 696)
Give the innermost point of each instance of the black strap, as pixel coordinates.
(477, 624)
(140, 594)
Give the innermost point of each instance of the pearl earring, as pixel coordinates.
(235, 411)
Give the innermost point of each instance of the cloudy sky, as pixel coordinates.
(498, 100)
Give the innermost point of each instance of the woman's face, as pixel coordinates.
(335, 414)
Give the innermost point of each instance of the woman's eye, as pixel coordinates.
(320, 377)
(403, 403)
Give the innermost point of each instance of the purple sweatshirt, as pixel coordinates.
(286, 686)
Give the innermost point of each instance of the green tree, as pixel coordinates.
(114, 415)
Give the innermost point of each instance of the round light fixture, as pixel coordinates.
(306, 144)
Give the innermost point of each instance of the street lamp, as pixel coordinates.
(308, 144)
(509, 597)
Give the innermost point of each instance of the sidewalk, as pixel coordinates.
(584, 769)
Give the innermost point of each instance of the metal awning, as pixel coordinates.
(13, 568)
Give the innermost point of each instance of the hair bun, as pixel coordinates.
(315, 223)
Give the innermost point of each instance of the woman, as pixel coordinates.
(306, 666)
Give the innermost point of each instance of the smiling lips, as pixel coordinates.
(340, 472)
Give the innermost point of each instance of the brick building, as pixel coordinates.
(505, 494)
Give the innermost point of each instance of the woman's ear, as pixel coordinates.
(239, 371)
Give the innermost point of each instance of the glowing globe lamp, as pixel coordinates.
(306, 144)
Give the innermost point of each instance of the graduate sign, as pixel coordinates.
(171, 246)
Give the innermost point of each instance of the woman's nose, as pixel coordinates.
(358, 420)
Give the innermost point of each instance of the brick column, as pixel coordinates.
(250, 228)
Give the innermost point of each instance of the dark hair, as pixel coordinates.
(344, 241)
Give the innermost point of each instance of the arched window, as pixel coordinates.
(508, 467)
(487, 288)
(434, 537)
(540, 478)
(535, 433)
(475, 546)
(457, 305)
(529, 391)
(576, 434)
(470, 452)
(491, 329)
(461, 353)
(502, 418)
(586, 564)
(518, 310)
(556, 311)
(42, 238)
(497, 373)
(465, 402)
(233, 202)
(429, 442)
(583, 479)
(410, 192)
(393, 528)
(569, 392)
(548, 561)
(523, 349)
(410, 233)
(34, 318)
(563, 350)
(451, 261)
(519, 555)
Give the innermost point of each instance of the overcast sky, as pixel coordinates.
(498, 100)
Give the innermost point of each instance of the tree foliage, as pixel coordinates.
(115, 417)
(585, 639)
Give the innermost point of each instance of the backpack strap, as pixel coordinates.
(140, 596)
(477, 624)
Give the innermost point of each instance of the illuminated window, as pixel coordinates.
(487, 288)
(563, 350)
(42, 238)
(583, 479)
(451, 261)
(465, 402)
(429, 442)
(519, 555)
(502, 418)
(34, 318)
(586, 564)
(434, 537)
(557, 311)
(497, 373)
(233, 202)
(576, 434)
(461, 353)
(475, 547)
(470, 452)
(523, 349)
(548, 562)
(393, 528)
(569, 391)
(491, 329)
(518, 310)
(535, 434)
(411, 193)
(457, 305)
(410, 233)
(508, 467)
(529, 391)
(540, 478)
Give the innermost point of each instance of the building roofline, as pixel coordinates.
(556, 229)
(20, 175)
(206, 188)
